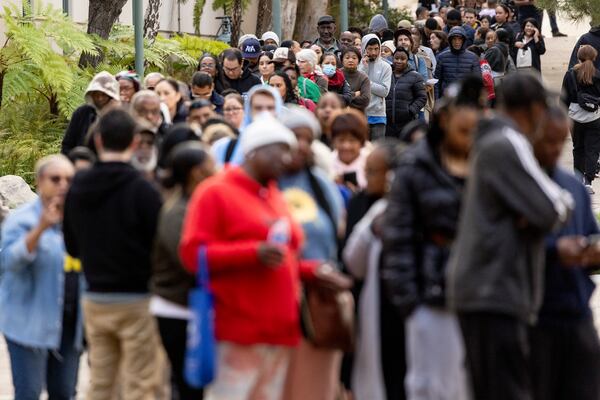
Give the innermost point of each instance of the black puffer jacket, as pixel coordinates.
(406, 98)
(453, 65)
(419, 226)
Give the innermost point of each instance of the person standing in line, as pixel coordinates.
(101, 95)
(189, 164)
(418, 229)
(252, 260)
(565, 351)
(358, 81)
(316, 204)
(380, 75)
(374, 369)
(407, 94)
(39, 290)
(581, 94)
(455, 64)
(110, 219)
(326, 28)
(495, 270)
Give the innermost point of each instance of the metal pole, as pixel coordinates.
(138, 24)
(276, 6)
(385, 9)
(343, 15)
(65, 6)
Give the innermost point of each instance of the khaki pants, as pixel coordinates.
(123, 340)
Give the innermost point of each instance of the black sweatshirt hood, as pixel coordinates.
(101, 181)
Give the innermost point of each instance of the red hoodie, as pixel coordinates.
(231, 215)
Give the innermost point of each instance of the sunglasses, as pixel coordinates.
(56, 179)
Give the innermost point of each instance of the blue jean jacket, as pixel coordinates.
(32, 285)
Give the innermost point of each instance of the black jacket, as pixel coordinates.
(78, 128)
(110, 219)
(241, 85)
(453, 65)
(537, 49)
(419, 226)
(592, 38)
(407, 96)
(571, 88)
(169, 279)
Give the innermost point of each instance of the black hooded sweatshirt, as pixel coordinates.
(110, 220)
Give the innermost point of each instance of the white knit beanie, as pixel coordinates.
(308, 55)
(270, 35)
(299, 117)
(266, 130)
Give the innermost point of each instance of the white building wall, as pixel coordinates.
(78, 10)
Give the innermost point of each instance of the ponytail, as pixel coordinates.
(586, 69)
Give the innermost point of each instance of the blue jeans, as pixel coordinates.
(33, 369)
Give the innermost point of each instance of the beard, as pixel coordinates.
(145, 164)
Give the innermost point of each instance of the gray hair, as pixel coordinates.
(152, 75)
(43, 163)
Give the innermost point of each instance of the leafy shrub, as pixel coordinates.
(196, 46)
(27, 133)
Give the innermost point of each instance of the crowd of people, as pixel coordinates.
(380, 215)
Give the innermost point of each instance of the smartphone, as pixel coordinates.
(350, 177)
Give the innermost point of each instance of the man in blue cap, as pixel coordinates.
(251, 52)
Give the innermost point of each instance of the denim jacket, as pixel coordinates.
(32, 285)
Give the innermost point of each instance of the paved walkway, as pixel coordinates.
(554, 65)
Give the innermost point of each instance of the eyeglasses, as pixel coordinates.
(56, 179)
(232, 69)
(232, 110)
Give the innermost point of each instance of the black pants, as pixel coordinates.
(586, 148)
(497, 351)
(393, 351)
(565, 359)
(173, 335)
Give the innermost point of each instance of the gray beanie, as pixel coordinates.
(378, 24)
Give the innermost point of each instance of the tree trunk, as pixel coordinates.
(289, 10)
(264, 17)
(236, 21)
(309, 12)
(152, 19)
(102, 16)
(53, 102)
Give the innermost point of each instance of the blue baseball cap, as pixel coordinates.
(251, 48)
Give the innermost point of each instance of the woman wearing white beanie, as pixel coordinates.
(252, 245)
(307, 61)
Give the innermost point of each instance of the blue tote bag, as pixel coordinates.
(200, 356)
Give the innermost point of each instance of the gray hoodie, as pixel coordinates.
(380, 75)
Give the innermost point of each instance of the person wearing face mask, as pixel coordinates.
(456, 64)
(509, 206)
(407, 95)
(380, 75)
(336, 80)
(261, 99)
(102, 94)
(418, 229)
